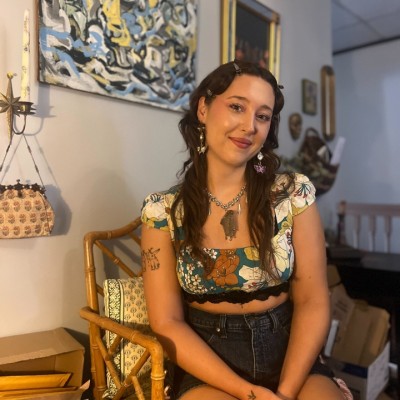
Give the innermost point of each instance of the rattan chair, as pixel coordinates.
(104, 257)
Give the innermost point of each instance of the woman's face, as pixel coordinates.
(237, 121)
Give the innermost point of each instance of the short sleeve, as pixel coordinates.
(303, 194)
(155, 212)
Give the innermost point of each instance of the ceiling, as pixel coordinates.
(359, 23)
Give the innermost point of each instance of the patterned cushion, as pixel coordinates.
(124, 302)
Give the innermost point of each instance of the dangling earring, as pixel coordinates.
(260, 168)
(203, 146)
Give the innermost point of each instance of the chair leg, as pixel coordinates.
(97, 367)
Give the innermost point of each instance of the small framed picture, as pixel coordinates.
(309, 97)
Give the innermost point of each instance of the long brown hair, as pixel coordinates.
(193, 195)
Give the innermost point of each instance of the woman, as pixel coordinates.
(218, 254)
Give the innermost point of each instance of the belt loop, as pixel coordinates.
(274, 320)
(221, 326)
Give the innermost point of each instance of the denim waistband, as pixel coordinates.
(230, 322)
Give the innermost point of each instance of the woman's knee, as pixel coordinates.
(206, 392)
(318, 385)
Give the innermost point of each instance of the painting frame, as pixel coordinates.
(328, 102)
(125, 50)
(309, 96)
(235, 30)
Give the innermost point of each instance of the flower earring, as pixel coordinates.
(259, 167)
(203, 146)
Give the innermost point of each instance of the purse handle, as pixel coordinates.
(312, 132)
(30, 152)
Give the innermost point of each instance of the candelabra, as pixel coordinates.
(13, 106)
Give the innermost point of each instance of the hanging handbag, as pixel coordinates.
(25, 211)
(313, 160)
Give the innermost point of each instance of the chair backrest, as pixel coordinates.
(121, 343)
(108, 244)
(355, 216)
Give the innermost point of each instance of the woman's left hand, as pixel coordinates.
(261, 393)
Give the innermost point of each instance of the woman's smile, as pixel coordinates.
(242, 143)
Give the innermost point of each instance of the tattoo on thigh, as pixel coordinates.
(150, 260)
(251, 396)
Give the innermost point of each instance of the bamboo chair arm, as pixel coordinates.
(133, 335)
(151, 344)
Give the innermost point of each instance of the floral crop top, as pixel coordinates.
(236, 276)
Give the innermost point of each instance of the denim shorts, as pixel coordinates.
(253, 345)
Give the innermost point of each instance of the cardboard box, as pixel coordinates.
(360, 352)
(333, 276)
(54, 351)
(362, 330)
(75, 394)
(365, 382)
(342, 307)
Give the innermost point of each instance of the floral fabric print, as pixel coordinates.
(234, 269)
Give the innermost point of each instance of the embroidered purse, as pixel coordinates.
(25, 211)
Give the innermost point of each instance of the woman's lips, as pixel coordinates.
(240, 142)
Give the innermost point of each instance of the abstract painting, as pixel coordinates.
(136, 50)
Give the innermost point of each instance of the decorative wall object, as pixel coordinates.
(25, 211)
(295, 125)
(328, 102)
(141, 51)
(252, 32)
(21, 105)
(309, 89)
(314, 160)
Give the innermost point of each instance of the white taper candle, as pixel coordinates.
(25, 83)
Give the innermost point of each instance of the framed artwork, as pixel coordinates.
(309, 89)
(252, 32)
(140, 51)
(328, 102)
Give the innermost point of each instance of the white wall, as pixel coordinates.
(100, 157)
(367, 104)
(306, 47)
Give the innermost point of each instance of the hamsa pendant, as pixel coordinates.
(230, 224)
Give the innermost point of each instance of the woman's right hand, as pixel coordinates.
(260, 393)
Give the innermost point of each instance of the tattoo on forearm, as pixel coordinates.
(150, 260)
(251, 396)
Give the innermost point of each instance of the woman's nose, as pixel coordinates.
(249, 125)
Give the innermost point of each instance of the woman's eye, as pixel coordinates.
(264, 117)
(236, 107)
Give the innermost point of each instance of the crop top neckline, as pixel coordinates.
(228, 248)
